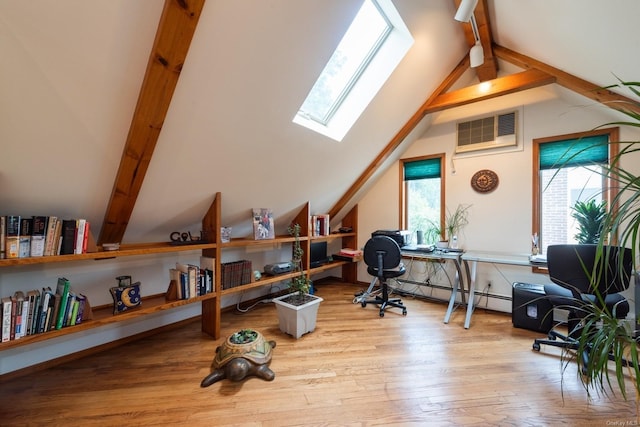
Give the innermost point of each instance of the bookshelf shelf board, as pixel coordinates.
(103, 315)
(333, 236)
(265, 280)
(125, 250)
(245, 242)
(327, 266)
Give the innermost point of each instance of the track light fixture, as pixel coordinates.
(476, 54)
(465, 10)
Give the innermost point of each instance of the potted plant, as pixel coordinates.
(297, 311)
(601, 334)
(590, 216)
(454, 222)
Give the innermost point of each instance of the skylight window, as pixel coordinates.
(368, 53)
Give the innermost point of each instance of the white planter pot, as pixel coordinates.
(297, 320)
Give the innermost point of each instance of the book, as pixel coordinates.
(12, 238)
(26, 226)
(6, 318)
(18, 298)
(3, 236)
(38, 235)
(45, 308)
(68, 236)
(79, 236)
(68, 310)
(57, 234)
(34, 306)
(263, 227)
(50, 235)
(208, 272)
(62, 290)
(82, 301)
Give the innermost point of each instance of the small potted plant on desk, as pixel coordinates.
(454, 222)
(297, 311)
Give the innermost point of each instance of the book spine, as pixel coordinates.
(50, 236)
(68, 236)
(26, 226)
(38, 235)
(79, 236)
(63, 292)
(12, 241)
(3, 237)
(6, 319)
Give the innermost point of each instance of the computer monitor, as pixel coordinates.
(318, 254)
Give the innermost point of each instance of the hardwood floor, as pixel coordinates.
(355, 369)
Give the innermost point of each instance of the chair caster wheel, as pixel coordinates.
(382, 314)
(364, 304)
(404, 312)
(536, 346)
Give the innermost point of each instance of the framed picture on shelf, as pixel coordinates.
(263, 227)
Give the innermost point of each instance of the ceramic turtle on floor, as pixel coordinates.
(243, 354)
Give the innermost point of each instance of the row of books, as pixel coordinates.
(40, 311)
(35, 236)
(320, 225)
(236, 273)
(193, 280)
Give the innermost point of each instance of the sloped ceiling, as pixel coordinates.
(71, 72)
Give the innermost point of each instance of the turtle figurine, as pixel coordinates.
(243, 354)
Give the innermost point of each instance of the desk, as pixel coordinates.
(437, 255)
(474, 257)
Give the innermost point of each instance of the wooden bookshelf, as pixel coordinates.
(211, 310)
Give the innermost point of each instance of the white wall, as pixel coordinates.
(500, 220)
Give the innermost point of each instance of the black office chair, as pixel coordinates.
(571, 269)
(384, 261)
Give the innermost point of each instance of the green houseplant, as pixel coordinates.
(590, 216)
(454, 222)
(601, 334)
(298, 310)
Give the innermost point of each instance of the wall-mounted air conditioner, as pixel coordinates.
(498, 130)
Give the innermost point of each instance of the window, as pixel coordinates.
(567, 169)
(422, 194)
(369, 51)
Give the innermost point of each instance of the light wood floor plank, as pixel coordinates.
(355, 369)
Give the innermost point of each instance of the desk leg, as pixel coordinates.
(472, 289)
(454, 292)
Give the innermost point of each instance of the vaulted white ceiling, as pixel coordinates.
(71, 70)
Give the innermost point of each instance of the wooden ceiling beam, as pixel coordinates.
(492, 89)
(594, 92)
(175, 31)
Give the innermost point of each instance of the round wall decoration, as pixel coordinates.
(484, 181)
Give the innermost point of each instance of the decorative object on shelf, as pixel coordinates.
(244, 353)
(484, 181)
(263, 227)
(124, 281)
(110, 246)
(125, 297)
(225, 234)
(186, 238)
(297, 311)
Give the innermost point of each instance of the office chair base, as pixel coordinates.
(556, 339)
(392, 302)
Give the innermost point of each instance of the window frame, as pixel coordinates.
(403, 215)
(609, 191)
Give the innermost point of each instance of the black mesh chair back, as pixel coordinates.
(384, 260)
(382, 253)
(580, 269)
